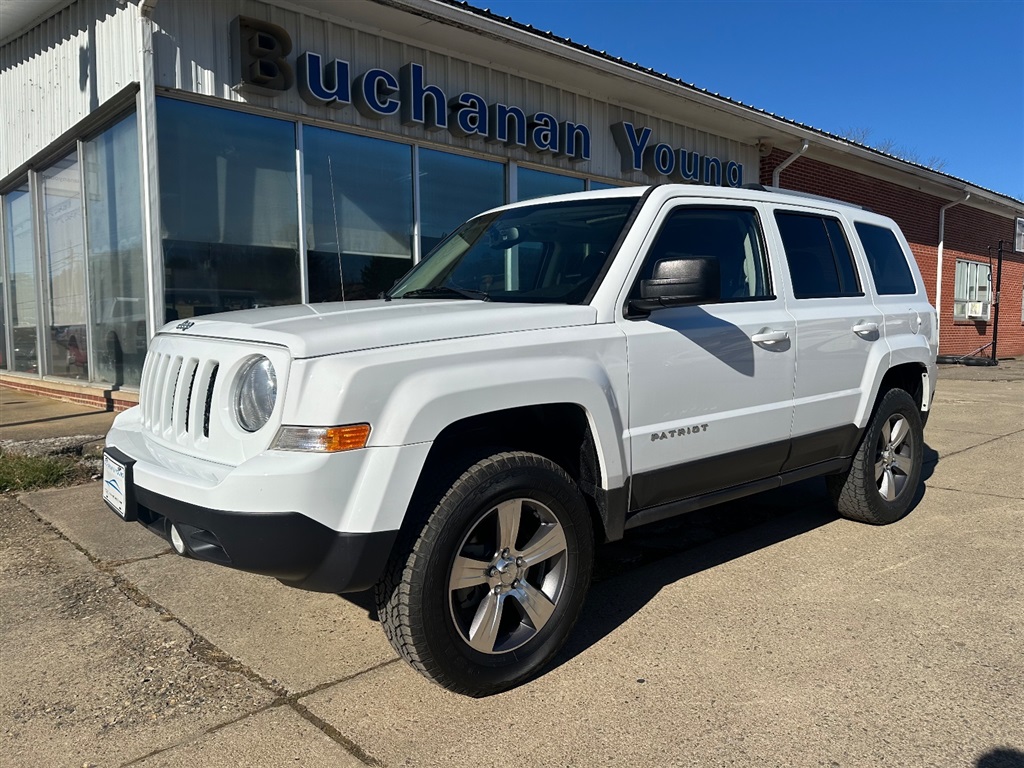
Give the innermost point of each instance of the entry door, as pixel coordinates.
(711, 386)
(839, 331)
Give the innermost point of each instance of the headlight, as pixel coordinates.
(255, 393)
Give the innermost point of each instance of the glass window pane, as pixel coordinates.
(730, 235)
(117, 272)
(550, 253)
(960, 292)
(358, 213)
(229, 209)
(65, 269)
(595, 185)
(984, 280)
(812, 265)
(886, 259)
(20, 253)
(844, 258)
(454, 188)
(533, 184)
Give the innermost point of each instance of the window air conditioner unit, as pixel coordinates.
(976, 310)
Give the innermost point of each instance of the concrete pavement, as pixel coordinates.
(762, 633)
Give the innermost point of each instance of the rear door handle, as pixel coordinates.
(768, 336)
(865, 329)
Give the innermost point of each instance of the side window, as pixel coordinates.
(730, 235)
(820, 263)
(888, 264)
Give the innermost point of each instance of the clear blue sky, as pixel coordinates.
(937, 79)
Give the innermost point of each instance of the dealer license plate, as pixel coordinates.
(117, 486)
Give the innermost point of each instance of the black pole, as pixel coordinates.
(999, 283)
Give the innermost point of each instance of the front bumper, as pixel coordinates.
(286, 545)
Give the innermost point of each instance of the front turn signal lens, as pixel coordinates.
(322, 439)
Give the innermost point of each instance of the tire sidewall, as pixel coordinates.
(896, 401)
(524, 476)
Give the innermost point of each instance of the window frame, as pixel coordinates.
(960, 302)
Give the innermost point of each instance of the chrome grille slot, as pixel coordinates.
(170, 386)
(191, 386)
(209, 400)
(182, 392)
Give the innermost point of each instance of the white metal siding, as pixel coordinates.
(58, 72)
(192, 47)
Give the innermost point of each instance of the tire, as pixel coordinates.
(494, 581)
(883, 478)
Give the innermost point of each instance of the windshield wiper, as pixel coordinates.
(443, 291)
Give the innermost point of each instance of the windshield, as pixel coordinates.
(551, 253)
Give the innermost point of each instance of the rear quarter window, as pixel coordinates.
(888, 263)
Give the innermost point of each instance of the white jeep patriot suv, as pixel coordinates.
(553, 374)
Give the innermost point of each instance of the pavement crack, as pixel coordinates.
(332, 683)
(979, 445)
(334, 734)
(974, 492)
(197, 737)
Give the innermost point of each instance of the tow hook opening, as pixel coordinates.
(190, 541)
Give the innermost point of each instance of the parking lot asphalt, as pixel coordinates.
(766, 632)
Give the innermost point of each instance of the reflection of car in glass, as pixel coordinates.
(193, 302)
(24, 355)
(120, 331)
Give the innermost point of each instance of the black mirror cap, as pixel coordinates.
(680, 281)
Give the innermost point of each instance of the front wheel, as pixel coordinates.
(882, 480)
(496, 578)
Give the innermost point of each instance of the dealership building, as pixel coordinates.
(163, 159)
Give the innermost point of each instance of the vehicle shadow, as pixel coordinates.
(1002, 757)
(699, 541)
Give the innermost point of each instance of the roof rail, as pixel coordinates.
(808, 195)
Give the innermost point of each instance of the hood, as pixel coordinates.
(325, 329)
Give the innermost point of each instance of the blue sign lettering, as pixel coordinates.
(323, 87)
(260, 48)
(373, 93)
(637, 154)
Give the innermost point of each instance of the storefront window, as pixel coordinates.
(358, 194)
(229, 209)
(5, 358)
(117, 276)
(596, 185)
(68, 349)
(533, 184)
(454, 188)
(21, 272)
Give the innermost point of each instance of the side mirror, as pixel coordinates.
(680, 281)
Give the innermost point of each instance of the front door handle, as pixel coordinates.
(866, 329)
(768, 336)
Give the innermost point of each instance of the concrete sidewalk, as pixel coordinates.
(29, 422)
(761, 633)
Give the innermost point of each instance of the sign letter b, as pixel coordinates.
(258, 51)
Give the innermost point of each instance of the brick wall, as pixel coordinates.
(969, 233)
(89, 396)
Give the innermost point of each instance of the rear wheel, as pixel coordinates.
(495, 580)
(883, 478)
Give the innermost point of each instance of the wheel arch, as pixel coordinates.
(561, 432)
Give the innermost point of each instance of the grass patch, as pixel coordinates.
(22, 473)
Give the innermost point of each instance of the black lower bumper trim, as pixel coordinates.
(289, 546)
